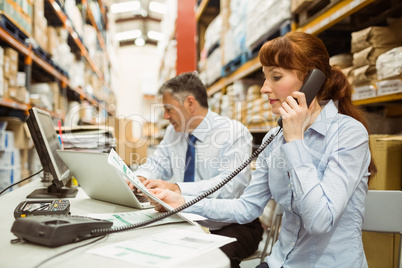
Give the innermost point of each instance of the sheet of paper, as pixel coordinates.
(115, 160)
(129, 218)
(164, 249)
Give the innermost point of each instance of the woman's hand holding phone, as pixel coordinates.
(295, 116)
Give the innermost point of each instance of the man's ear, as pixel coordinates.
(190, 102)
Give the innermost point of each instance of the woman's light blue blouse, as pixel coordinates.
(321, 183)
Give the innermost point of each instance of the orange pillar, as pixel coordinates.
(186, 36)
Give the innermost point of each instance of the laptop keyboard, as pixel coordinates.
(141, 197)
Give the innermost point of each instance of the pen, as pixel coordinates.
(61, 140)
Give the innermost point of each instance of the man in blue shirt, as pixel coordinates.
(200, 148)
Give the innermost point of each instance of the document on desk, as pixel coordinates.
(128, 218)
(115, 161)
(164, 249)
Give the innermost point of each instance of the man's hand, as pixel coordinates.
(161, 184)
(132, 187)
(173, 199)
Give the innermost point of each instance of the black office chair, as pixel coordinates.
(272, 235)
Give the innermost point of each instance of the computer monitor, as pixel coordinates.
(46, 142)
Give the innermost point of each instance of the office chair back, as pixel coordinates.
(273, 232)
(384, 214)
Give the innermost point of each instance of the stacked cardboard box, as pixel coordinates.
(14, 81)
(2, 81)
(132, 150)
(265, 17)
(19, 13)
(215, 102)
(387, 155)
(367, 45)
(15, 143)
(258, 107)
(228, 103)
(45, 95)
(52, 40)
(253, 98)
(234, 30)
(39, 26)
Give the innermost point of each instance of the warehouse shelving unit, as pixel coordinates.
(331, 14)
(34, 58)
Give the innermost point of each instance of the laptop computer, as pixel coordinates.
(100, 180)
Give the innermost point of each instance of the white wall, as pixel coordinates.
(136, 67)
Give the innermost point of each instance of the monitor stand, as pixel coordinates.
(43, 193)
(52, 191)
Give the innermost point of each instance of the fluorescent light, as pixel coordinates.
(128, 35)
(155, 35)
(125, 6)
(139, 41)
(157, 7)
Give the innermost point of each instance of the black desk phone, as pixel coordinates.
(57, 230)
(42, 207)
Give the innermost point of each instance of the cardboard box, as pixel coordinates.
(1, 83)
(19, 94)
(1, 56)
(52, 40)
(10, 67)
(298, 5)
(10, 158)
(11, 53)
(132, 150)
(55, 91)
(24, 160)
(40, 35)
(381, 249)
(9, 176)
(386, 152)
(21, 136)
(6, 140)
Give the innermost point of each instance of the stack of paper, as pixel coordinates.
(93, 138)
(163, 249)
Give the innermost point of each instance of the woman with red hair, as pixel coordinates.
(317, 168)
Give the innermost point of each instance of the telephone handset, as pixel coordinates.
(312, 84)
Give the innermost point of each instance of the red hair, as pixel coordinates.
(304, 52)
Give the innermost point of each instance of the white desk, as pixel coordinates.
(29, 255)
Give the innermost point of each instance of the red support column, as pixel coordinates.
(186, 36)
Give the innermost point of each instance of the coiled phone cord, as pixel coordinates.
(98, 232)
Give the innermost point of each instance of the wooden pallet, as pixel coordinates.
(8, 25)
(283, 28)
(234, 64)
(308, 10)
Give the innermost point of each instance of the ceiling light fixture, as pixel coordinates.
(125, 6)
(128, 35)
(157, 7)
(155, 35)
(139, 42)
